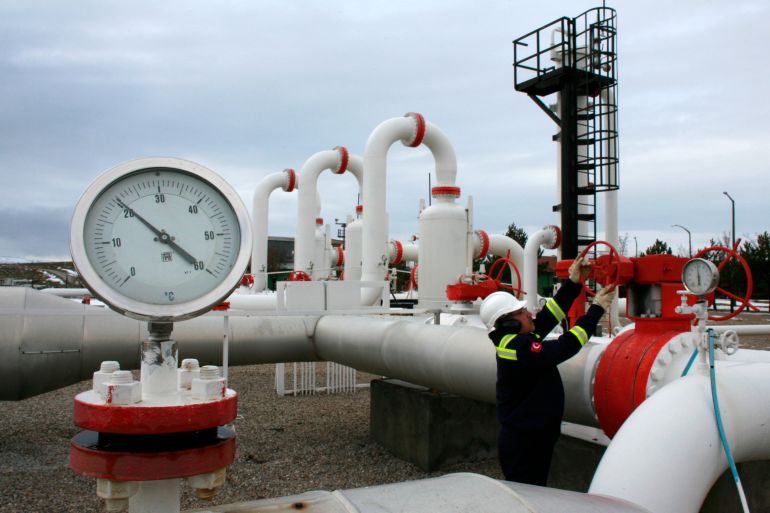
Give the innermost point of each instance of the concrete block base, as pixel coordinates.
(431, 429)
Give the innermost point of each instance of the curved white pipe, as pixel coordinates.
(309, 205)
(548, 238)
(500, 245)
(375, 234)
(286, 180)
(670, 444)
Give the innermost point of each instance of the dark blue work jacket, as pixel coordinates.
(530, 394)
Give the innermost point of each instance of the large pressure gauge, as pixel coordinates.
(700, 276)
(160, 239)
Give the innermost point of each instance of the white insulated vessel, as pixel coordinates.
(443, 246)
(353, 240)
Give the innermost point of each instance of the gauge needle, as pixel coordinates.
(163, 237)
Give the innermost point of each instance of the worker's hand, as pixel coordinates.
(578, 268)
(604, 297)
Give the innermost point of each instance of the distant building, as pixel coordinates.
(280, 258)
(15, 282)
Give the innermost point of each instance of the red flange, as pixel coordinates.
(445, 190)
(340, 256)
(484, 236)
(292, 180)
(413, 277)
(624, 369)
(89, 460)
(420, 132)
(399, 252)
(151, 420)
(344, 159)
(359, 209)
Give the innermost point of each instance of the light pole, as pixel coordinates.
(732, 238)
(689, 237)
(636, 247)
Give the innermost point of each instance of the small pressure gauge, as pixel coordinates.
(160, 239)
(700, 276)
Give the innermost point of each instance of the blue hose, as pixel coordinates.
(720, 427)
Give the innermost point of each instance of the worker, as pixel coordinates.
(530, 394)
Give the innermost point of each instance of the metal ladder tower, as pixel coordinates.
(576, 58)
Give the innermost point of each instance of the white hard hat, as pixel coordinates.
(498, 304)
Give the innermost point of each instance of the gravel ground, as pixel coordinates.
(286, 445)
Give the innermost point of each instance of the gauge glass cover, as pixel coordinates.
(161, 239)
(700, 276)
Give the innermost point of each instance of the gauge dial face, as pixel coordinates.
(700, 276)
(160, 239)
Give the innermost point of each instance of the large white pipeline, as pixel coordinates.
(412, 130)
(667, 455)
(548, 238)
(286, 180)
(338, 161)
(462, 492)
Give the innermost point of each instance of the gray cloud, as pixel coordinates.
(249, 88)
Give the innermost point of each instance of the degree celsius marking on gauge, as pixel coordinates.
(161, 238)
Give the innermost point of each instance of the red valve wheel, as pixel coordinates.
(299, 276)
(744, 301)
(495, 273)
(604, 270)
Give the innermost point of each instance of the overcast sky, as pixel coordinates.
(248, 88)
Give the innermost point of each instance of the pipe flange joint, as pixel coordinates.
(484, 249)
(344, 158)
(319, 221)
(556, 236)
(340, 256)
(419, 130)
(669, 362)
(446, 191)
(291, 180)
(399, 252)
(359, 209)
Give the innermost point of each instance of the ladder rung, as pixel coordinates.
(586, 217)
(586, 166)
(585, 191)
(586, 142)
(585, 117)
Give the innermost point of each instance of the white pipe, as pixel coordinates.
(667, 455)
(611, 197)
(452, 492)
(70, 293)
(547, 238)
(500, 245)
(308, 205)
(744, 329)
(399, 251)
(286, 180)
(375, 235)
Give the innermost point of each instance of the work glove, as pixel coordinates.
(604, 297)
(578, 268)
